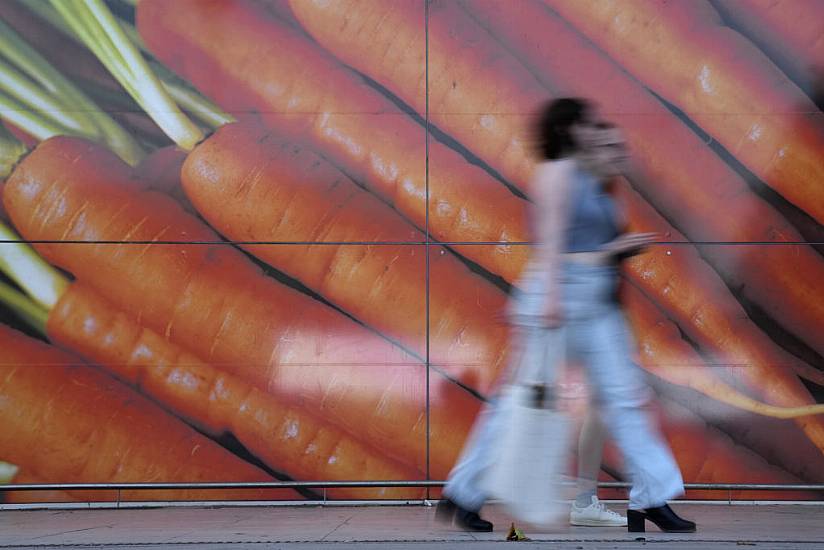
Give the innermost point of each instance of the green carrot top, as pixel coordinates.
(101, 32)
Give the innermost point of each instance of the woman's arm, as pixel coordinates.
(551, 214)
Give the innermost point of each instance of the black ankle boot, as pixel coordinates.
(662, 516)
(471, 521)
(466, 519)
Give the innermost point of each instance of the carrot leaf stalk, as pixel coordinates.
(35, 92)
(189, 99)
(100, 31)
(33, 315)
(33, 98)
(186, 97)
(30, 121)
(11, 149)
(25, 267)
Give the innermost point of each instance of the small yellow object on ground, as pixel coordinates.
(516, 534)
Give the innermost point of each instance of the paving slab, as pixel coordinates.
(397, 527)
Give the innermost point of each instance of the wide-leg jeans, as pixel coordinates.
(596, 334)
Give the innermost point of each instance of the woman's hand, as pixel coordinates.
(630, 243)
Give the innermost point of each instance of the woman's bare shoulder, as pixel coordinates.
(555, 173)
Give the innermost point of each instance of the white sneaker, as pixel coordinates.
(595, 515)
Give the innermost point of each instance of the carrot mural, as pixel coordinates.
(274, 238)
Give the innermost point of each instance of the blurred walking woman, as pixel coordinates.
(571, 280)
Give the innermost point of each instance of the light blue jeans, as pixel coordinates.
(597, 335)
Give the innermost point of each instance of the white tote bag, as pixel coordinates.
(533, 447)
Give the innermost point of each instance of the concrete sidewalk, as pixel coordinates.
(395, 527)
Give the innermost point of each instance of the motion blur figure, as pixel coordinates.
(570, 281)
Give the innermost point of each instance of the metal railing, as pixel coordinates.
(363, 484)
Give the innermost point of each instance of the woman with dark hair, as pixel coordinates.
(556, 126)
(570, 281)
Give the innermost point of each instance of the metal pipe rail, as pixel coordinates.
(361, 484)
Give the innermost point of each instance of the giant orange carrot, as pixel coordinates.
(278, 192)
(707, 455)
(481, 97)
(284, 437)
(684, 52)
(296, 87)
(679, 175)
(682, 365)
(791, 32)
(775, 440)
(66, 422)
(150, 258)
(693, 295)
(664, 353)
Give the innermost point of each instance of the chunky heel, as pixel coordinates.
(635, 521)
(469, 520)
(662, 516)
